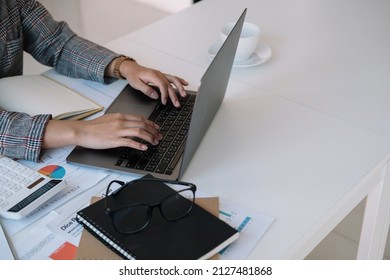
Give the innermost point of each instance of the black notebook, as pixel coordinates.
(199, 235)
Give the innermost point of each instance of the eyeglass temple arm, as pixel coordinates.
(112, 182)
(151, 180)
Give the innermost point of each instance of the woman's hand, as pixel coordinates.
(140, 77)
(108, 131)
(118, 130)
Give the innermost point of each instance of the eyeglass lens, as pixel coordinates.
(132, 219)
(177, 205)
(136, 217)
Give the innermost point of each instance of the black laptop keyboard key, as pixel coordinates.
(174, 125)
(142, 163)
(177, 157)
(132, 163)
(161, 168)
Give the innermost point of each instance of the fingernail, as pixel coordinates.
(144, 147)
(154, 95)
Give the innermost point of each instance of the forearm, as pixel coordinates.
(81, 58)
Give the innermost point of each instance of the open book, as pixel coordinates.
(38, 94)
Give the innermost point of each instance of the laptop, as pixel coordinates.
(187, 125)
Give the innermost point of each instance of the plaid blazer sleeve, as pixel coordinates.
(54, 44)
(21, 135)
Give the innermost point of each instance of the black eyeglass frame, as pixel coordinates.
(190, 187)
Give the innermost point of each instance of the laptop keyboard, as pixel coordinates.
(174, 124)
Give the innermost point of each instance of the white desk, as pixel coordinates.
(302, 166)
(315, 116)
(330, 55)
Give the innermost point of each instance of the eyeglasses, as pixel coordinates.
(136, 216)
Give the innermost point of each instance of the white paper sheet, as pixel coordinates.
(102, 94)
(5, 248)
(252, 225)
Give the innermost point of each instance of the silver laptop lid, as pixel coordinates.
(211, 92)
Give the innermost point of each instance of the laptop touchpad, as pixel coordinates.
(134, 109)
(131, 101)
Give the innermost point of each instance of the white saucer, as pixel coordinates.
(262, 54)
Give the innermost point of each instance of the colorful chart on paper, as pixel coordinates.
(53, 171)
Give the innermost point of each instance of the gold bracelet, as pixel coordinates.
(118, 62)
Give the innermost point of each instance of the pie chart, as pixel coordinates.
(53, 171)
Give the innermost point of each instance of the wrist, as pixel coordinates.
(118, 64)
(59, 133)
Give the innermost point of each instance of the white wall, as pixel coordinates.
(103, 20)
(170, 6)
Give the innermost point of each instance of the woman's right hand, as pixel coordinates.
(107, 131)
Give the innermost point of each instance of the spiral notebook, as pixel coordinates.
(199, 235)
(90, 248)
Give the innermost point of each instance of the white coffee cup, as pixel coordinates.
(249, 39)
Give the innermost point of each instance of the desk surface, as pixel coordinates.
(329, 55)
(300, 165)
(310, 125)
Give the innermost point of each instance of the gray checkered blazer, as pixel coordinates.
(27, 25)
